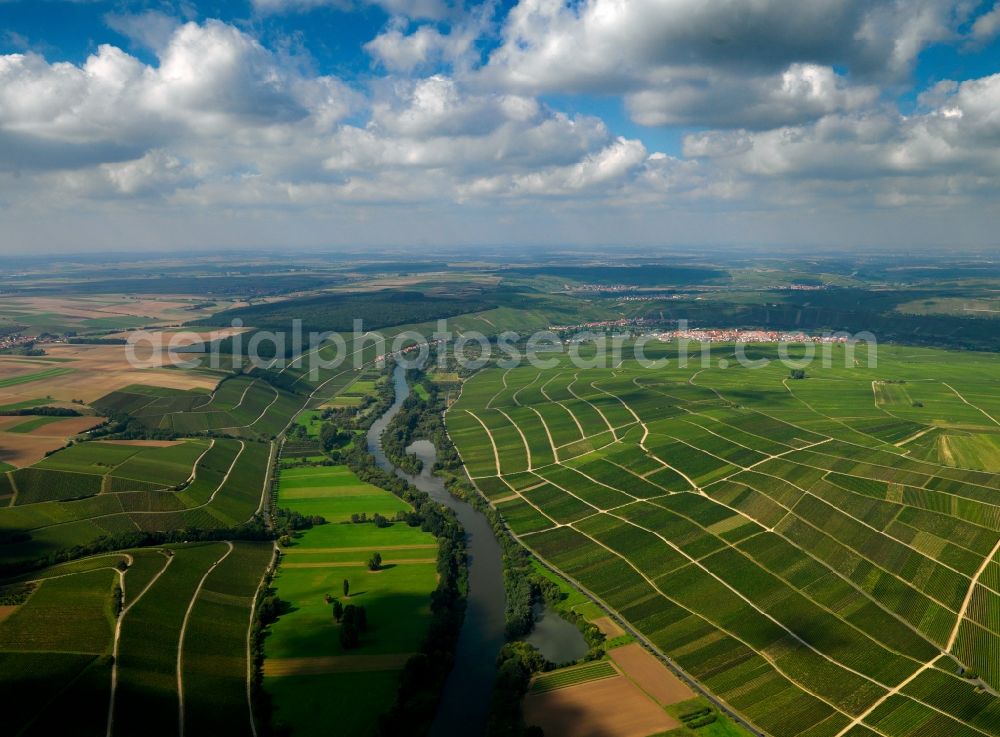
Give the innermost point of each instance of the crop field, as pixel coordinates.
(306, 668)
(85, 372)
(25, 378)
(26, 440)
(335, 493)
(803, 548)
(571, 676)
(93, 489)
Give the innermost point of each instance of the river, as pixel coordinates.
(465, 702)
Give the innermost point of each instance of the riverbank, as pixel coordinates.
(465, 700)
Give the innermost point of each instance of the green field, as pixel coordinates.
(34, 424)
(396, 600)
(792, 543)
(36, 376)
(334, 493)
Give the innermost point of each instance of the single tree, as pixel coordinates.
(348, 636)
(338, 610)
(375, 562)
(347, 588)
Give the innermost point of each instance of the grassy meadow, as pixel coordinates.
(304, 644)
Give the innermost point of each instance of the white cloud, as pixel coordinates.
(398, 51)
(151, 29)
(221, 119)
(715, 62)
(611, 165)
(946, 148)
(986, 27)
(212, 81)
(801, 92)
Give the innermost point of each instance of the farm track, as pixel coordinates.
(180, 641)
(249, 655)
(118, 632)
(277, 396)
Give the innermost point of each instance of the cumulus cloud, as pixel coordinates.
(212, 80)
(433, 125)
(611, 165)
(426, 46)
(222, 117)
(943, 150)
(715, 62)
(801, 92)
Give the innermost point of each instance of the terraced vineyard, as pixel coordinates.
(242, 406)
(802, 548)
(65, 500)
(173, 660)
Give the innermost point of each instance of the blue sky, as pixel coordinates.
(327, 122)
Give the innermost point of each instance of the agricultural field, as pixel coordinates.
(307, 670)
(801, 548)
(25, 440)
(59, 314)
(87, 373)
(171, 656)
(99, 488)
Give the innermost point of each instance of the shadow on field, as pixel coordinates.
(397, 623)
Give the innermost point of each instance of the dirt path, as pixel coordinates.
(552, 443)
(249, 654)
(980, 409)
(531, 383)
(496, 453)
(321, 664)
(194, 468)
(569, 388)
(277, 396)
(118, 633)
(527, 448)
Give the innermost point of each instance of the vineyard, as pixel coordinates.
(222, 486)
(240, 406)
(173, 659)
(791, 544)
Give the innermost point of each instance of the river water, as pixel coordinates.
(555, 638)
(465, 702)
